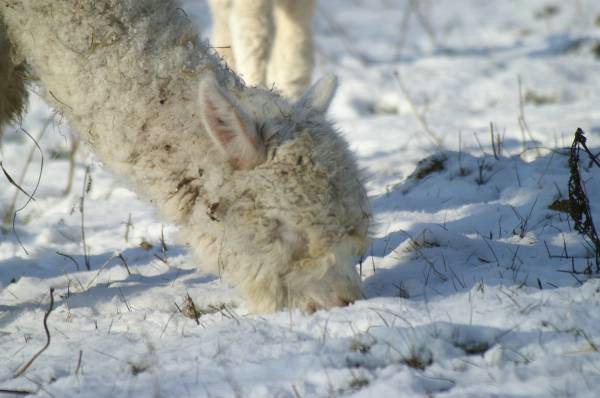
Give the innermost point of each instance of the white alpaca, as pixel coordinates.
(268, 42)
(265, 191)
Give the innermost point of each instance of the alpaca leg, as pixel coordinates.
(251, 31)
(13, 94)
(292, 53)
(221, 36)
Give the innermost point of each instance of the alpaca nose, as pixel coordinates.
(347, 301)
(337, 301)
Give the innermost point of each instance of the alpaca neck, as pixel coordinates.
(125, 74)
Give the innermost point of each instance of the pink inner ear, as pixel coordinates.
(231, 129)
(223, 132)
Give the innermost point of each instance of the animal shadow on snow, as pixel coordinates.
(99, 291)
(460, 220)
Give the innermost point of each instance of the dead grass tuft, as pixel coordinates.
(418, 359)
(430, 165)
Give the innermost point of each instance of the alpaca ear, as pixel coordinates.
(229, 126)
(319, 96)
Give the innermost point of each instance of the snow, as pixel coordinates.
(469, 282)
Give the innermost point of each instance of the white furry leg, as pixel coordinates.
(13, 94)
(292, 52)
(251, 31)
(221, 36)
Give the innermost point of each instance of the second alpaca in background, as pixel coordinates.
(268, 42)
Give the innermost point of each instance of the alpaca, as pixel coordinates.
(266, 193)
(268, 42)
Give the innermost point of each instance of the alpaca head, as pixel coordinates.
(293, 206)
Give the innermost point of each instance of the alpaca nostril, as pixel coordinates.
(345, 302)
(311, 307)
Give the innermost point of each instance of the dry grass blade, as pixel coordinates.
(13, 182)
(425, 22)
(24, 368)
(436, 138)
(124, 262)
(525, 130)
(417, 248)
(189, 309)
(403, 31)
(37, 184)
(70, 258)
(11, 208)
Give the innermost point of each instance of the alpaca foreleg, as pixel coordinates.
(251, 31)
(221, 36)
(292, 57)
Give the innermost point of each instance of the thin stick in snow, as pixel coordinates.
(522, 122)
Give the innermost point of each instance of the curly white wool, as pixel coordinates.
(265, 191)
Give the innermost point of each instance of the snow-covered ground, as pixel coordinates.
(475, 287)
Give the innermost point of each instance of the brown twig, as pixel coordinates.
(581, 139)
(46, 315)
(579, 205)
